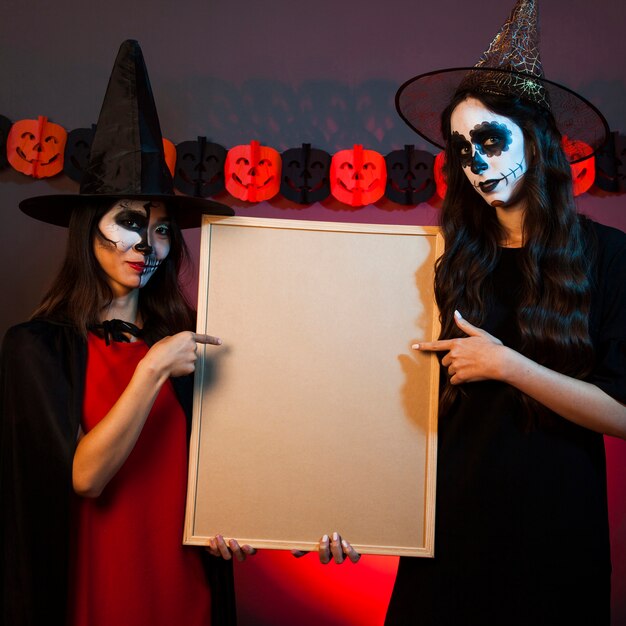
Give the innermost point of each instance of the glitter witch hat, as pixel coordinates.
(511, 66)
(127, 159)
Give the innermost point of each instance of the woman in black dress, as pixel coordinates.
(533, 310)
(532, 299)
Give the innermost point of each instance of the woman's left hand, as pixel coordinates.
(332, 549)
(218, 547)
(479, 356)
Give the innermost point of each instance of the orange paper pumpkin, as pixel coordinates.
(36, 147)
(583, 172)
(252, 172)
(440, 179)
(358, 177)
(169, 151)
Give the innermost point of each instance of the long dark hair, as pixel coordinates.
(553, 311)
(80, 291)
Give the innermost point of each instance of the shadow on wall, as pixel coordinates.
(329, 115)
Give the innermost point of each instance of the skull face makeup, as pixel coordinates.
(491, 150)
(132, 240)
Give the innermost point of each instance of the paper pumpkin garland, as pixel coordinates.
(5, 128)
(252, 172)
(77, 152)
(169, 151)
(440, 177)
(255, 173)
(611, 165)
(199, 168)
(358, 176)
(583, 172)
(305, 174)
(410, 177)
(36, 147)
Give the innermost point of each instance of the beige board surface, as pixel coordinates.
(315, 415)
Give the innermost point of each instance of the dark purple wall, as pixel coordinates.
(283, 73)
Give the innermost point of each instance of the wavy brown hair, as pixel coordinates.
(553, 312)
(80, 291)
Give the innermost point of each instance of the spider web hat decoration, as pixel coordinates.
(127, 159)
(511, 66)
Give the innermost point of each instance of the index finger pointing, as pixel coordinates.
(433, 346)
(207, 339)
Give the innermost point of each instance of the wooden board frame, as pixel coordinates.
(315, 415)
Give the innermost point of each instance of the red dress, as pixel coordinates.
(129, 564)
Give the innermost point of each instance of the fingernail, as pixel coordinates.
(458, 315)
(335, 537)
(324, 538)
(415, 346)
(344, 543)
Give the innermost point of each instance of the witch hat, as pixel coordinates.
(511, 66)
(126, 160)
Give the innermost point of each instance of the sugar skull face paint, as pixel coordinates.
(491, 150)
(132, 240)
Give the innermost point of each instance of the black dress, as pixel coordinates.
(522, 527)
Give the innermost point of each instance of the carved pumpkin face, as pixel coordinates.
(305, 174)
(252, 172)
(410, 178)
(77, 152)
(36, 147)
(357, 176)
(200, 168)
(583, 172)
(5, 128)
(440, 177)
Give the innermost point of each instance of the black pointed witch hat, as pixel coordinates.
(510, 66)
(127, 159)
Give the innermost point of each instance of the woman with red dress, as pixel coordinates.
(96, 397)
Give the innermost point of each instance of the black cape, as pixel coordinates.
(42, 372)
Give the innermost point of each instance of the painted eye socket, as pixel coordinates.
(131, 220)
(129, 224)
(492, 141)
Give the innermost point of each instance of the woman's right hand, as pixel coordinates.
(176, 355)
(219, 548)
